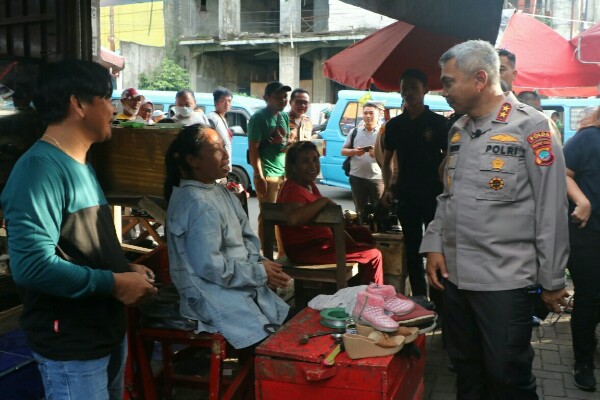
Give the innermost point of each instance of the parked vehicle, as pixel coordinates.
(347, 114)
(569, 112)
(242, 108)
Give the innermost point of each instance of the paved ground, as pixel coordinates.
(552, 365)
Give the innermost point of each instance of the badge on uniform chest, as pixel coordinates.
(496, 183)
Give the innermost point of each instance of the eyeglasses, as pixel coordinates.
(146, 110)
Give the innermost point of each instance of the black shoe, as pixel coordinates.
(583, 377)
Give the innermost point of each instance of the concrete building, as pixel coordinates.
(245, 44)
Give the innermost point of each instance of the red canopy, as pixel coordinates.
(588, 45)
(381, 57)
(546, 61)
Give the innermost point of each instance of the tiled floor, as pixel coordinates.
(552, 364)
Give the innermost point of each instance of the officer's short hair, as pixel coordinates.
(416, 74)
(472, 56)
(221, 92)
(511, 57)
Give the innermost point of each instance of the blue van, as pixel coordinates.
(569, 112)
(347, 114)
(242, 108)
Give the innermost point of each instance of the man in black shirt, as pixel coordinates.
(418, 136)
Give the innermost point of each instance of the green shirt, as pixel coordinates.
(272, 156)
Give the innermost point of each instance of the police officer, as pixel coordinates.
(500, 226)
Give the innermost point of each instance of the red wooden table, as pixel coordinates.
(286, 369)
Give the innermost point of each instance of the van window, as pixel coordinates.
(349, 118)
(238, 117)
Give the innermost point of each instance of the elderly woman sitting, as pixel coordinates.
(223, 281)
(314, 244)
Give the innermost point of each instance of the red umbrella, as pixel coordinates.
(546, 61)
(588, 45)
(381, 57)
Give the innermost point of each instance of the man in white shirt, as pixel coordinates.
(366, 180)
(217, 119)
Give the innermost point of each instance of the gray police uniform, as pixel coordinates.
(501, 221)
(501, 224)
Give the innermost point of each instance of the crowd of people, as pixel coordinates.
(490, 199)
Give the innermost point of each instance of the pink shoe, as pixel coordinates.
(391, 302)
(369, 311)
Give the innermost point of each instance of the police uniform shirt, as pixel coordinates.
(419, 144)
(501, 221)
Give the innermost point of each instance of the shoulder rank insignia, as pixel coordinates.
(504, 112)
(455, 138)
(497, 163)
(541, 143)
(496, 183)
(504, 138)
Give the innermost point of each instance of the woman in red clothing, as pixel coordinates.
(315, 244)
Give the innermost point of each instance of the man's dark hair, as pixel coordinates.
(373, 104)
(528, 95)
(58, 81)
(511, 57)
(221, 92)
(296, 91)
(416, 74)
(183, 92)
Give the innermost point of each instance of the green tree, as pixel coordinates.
(168, 76)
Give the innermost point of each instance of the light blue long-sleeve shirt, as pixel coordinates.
(214, 259)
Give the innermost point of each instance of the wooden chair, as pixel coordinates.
(338, 273)
(142, 383)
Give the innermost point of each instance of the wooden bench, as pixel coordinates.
(338, 273)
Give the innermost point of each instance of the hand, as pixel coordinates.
(132, 287)
(260, 185)
(436, 262)
(275, 276)
(555, 298)
(359, 152)
(372, 153)
(142, 269)
(387, 199)
(582, 213)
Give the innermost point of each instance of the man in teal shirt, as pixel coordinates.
(268, 135)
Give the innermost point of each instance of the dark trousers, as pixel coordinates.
(488, 339)
(365, 191)
(584, 266)
(414, 217)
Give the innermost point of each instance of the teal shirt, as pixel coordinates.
(272, 156)
(63, 251)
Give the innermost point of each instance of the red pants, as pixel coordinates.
(322, 251)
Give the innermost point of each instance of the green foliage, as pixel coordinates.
(168, 76)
